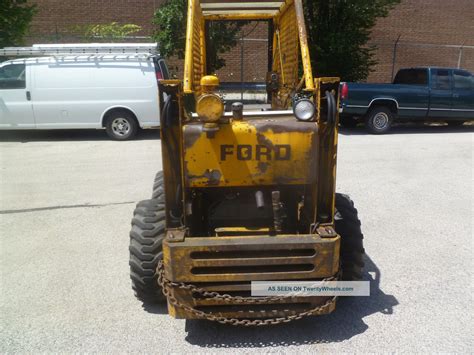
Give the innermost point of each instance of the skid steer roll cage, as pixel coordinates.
(286, 18)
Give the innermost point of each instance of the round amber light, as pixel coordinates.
(210, 108)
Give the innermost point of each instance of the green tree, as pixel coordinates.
(108, 31)
(170, 33)
(339, 32)
(15, 19)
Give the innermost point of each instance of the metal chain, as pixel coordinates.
(167, 288)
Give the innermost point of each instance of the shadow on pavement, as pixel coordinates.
(68, 135)
(160, 308)
(411, 128)
(344, 323)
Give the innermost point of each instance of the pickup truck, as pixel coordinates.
(434, 94)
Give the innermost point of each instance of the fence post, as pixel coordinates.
(394, 58)
(460, 54)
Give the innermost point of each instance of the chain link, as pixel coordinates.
(167, 288)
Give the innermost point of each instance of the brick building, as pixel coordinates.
(429, 32)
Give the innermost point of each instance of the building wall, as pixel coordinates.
(56, 19)
(426, 28)
(254, 51)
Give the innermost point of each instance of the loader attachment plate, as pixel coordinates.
(229, 264)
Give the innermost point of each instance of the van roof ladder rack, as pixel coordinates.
(81, 49)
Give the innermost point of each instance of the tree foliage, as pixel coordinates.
(170, 33)
(15, 19)
(107, 31)
(339, 32)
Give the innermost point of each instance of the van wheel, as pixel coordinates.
(379, 120)
(121, 125)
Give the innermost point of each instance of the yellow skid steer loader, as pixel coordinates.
(245, 195)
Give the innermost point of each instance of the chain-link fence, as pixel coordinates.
(391, 56)
(246, 65)
(247, 62)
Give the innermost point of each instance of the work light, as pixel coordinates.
(304, 109)
(209, 106)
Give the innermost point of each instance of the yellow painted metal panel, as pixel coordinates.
(241, 5)
(285, 54)
(250, 16)
(306, 60)
(193, 66)
(249, 153)
(239, 12)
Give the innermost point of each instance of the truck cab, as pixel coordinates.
(416, 94)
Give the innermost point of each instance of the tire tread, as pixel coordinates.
(348, 226)
(146, 245)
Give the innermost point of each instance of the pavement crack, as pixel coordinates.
(87, 205)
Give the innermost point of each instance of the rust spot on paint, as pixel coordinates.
(192, 132)
(282, 125)
(262, 140)
(212, 177)
(262, 167)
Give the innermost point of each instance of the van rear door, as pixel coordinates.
(16, 110)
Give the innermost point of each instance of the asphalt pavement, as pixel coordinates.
(66, 200)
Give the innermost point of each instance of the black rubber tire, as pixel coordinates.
(158, 187)
(146, 249)
(347, 225)
(455, 123)
(348, 122)
(370, 123)
(130, 120)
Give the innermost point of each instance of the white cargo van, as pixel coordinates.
(116, 90)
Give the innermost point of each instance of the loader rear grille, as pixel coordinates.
(244, 308)
(252, 254)
(229, 265)
(251, 269)
(251, 258)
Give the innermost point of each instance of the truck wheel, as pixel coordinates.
(347, 225)
(348, 122)
(379, 120)
(121, 125)
(146, 249)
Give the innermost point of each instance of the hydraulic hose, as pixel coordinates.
(173, 149)
(332, 109)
